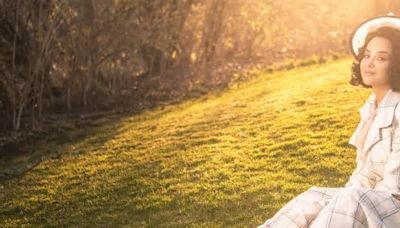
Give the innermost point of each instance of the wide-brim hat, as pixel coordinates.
(360, 33)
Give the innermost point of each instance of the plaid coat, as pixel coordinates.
(371, 197)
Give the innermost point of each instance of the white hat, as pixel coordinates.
(360, 33)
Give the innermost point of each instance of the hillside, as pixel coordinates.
(232, 158)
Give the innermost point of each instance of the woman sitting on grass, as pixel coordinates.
(371, 197)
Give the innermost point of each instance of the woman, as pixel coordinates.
(371, 197)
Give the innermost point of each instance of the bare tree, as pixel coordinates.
(212, 31)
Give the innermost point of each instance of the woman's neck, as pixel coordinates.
(380, 93)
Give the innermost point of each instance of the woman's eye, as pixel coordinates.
(366, 56)
(381, 58)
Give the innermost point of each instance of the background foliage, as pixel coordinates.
(71, 57)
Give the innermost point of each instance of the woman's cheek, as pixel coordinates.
(386, 70)
(362, 65)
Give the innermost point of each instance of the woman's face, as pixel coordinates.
(376, 62)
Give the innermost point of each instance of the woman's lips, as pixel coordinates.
(369, 73)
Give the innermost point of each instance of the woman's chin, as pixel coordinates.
(367, 82)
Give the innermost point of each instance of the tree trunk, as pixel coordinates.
(40, 98)
(18, 117)
(14, 118)
(69, 106)
(84, 95)
(211, 33)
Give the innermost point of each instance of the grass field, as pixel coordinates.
(231, 158)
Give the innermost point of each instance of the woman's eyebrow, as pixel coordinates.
(378, 51)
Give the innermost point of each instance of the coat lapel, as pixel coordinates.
(383, 119)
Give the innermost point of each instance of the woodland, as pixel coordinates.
(64, 59)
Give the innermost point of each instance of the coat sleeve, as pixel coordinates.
(356, 179)
(391, 175)
(361, 177)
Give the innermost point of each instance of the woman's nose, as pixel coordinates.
(371, 61)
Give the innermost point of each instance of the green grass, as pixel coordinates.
(232, 158)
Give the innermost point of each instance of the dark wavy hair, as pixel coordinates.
(393, 36)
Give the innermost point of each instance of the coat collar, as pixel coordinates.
(383, 119)
(389, 101)
(390, 98)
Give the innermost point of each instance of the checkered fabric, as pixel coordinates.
(338, 207)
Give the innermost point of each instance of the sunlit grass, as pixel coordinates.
(232, 158)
